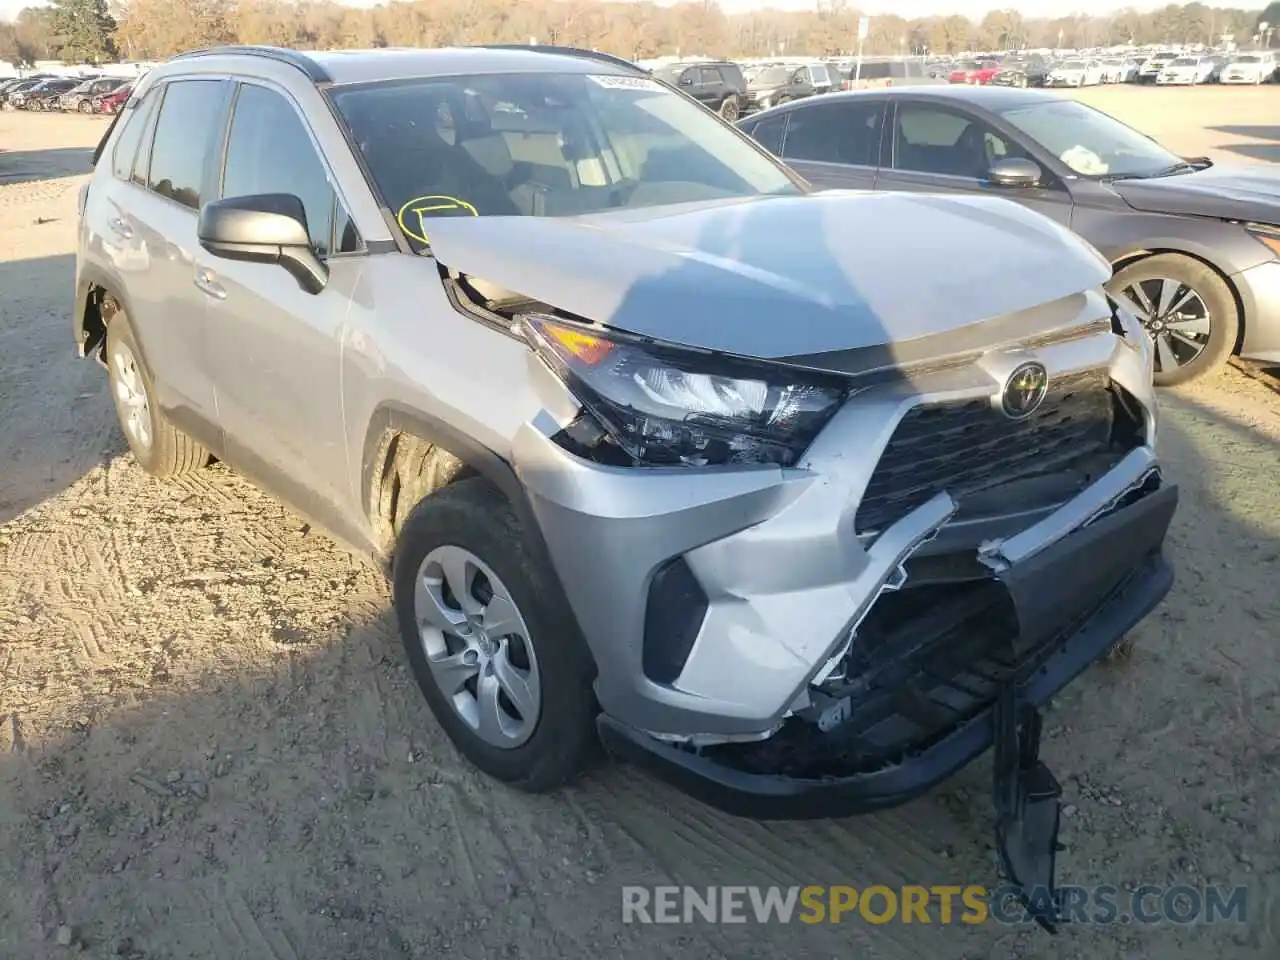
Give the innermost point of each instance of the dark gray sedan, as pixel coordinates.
(1195, 245)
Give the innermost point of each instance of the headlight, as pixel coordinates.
(1266, 234)
(664, 406)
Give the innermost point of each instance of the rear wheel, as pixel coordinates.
(85, 107)
(731, 109)
(1186, 308)
(159, 447)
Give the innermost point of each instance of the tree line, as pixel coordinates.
(92, 31)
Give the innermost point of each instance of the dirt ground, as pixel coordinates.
(210, 745)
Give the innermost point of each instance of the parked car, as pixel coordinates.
(80, 97)
(774, 85)
(1186, 71)
(974, 72)
(888, 72)
(1149, 72)
(1075, 73)
(1255, 68)
(1119, 70)
(719, 85)
(597, 428)
(1213, 287)
(44, 96)
(821, 77)
(113, 100)
(1022, 72)
(16, 95)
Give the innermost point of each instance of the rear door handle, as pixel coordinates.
(120, 228)
(207, 283)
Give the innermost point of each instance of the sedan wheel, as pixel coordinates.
(477, 646)
(1187, 310)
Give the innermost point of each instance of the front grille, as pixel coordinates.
(966, 447)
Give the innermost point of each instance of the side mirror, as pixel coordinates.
(686, 81)
(1014, 172)
(266, 228)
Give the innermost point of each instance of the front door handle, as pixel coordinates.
(120, 228)
(207, 283)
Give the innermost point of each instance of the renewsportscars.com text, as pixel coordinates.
(938, 904)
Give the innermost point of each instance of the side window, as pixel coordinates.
(768, 133)
(836, 133)
(939, 141)
(800, 76)
(709, 75)
(270, 151)
(184, 139)
(135, 124)
(690, 76)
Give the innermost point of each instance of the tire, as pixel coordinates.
(472, 515)
(731, 110)
(85, 106)
(161, 449)
(1213, 293)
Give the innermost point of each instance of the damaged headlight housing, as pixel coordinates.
(655, 405)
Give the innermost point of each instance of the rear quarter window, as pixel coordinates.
(134, 121)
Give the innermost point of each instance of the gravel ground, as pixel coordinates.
(210, 745)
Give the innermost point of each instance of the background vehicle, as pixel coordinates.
(80, 97)
(42, 94)
(889, 72)
(1213, 289)
(821, 77)
(1150, 69)
(112, 101)
(1117, 70)
(1022, 72)
(1185, 71)
(572, 321)
(719, 85)
(1252, 68)
(1075, 73)
(974, 72)
(774, 85)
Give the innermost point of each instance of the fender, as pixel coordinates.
(392, 417)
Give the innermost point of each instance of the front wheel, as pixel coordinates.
(1186, 308)
(497, 656)
(85, 107)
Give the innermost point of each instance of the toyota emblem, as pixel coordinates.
(1024, 390)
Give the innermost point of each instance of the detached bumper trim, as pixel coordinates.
(768, 797)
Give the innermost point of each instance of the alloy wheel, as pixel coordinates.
(1175, 317)
(729, 110)
(477, 646)
(131, 398)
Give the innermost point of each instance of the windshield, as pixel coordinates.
(1247, 59)
(546, 145)
(1089, 141)
(772, 77)
(1072, 65)
(967, 65)
(1184, 62)
(819, 74)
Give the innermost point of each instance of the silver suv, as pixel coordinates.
(655, 444)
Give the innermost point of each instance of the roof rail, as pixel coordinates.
(578, 52)
(294, 58)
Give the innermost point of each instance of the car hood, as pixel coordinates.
(776, 277)
(1231, 191)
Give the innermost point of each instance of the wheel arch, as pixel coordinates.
(1134, 256)
(390, 424)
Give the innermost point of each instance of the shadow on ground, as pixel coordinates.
(56, 418)
(1255, 151)
(23, 166)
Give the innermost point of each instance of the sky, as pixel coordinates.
(903, 8)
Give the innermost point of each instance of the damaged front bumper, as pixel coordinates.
(1128, 577)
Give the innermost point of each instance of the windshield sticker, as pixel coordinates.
(413, 215)
(613, 82)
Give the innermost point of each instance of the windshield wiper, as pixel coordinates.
(1182, 166)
